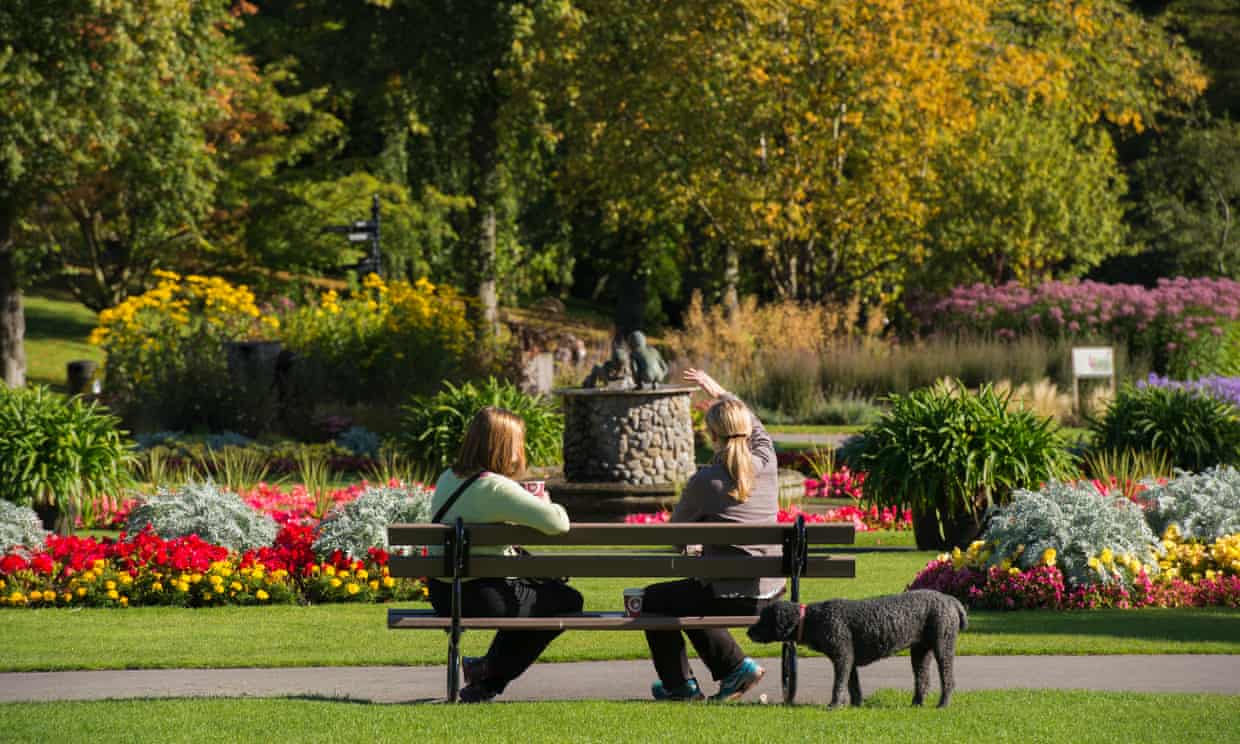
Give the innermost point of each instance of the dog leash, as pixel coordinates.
(801, 625)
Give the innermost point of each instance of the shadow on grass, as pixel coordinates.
(47, 322)
(1209, 624)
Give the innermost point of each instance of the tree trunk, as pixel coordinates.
(12, 316)
(731, 278)
(488, 290)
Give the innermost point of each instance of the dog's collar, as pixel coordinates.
(801, 624)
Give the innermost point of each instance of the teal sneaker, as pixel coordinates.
(740, 681)
(688, 691)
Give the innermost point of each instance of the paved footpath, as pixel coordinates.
(626, 680)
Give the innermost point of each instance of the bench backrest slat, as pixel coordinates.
(622, 565)
(585, 533)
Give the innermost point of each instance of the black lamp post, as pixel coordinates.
(362, 231)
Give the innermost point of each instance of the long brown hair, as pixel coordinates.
(495, 441)
(730, 425)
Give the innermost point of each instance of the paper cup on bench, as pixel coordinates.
(633, 602)
(537, 487)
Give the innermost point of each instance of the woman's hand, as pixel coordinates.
(706, 382)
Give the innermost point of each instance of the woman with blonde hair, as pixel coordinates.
(479, 488)
(740, 485)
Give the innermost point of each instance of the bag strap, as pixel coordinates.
(456, 495)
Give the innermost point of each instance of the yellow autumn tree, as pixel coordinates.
(813, 137)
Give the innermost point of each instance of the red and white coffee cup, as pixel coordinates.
(537, 487)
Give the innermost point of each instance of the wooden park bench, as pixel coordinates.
(610, 550)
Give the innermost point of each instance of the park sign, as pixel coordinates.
(1091, 362)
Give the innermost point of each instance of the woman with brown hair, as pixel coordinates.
(741, 485)
(479, 488)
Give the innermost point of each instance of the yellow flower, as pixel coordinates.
(49, 595)
(362, 574)
(112, 594)
(207, 595)
(389, 582)
(262, 595)
(235, 586)
(374, 585)
(335, 583)
(67, 597)
(195, 578)
(126, 579)
(1093, 563)
(352, 588)
(124, 601)
(109, 585)
(157, 587)
(329, 570)
(1106, 556)
(81, 592)
(1048, 557)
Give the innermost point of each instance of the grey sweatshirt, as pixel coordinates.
(705, 499)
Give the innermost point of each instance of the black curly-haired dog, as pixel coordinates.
(854, 633)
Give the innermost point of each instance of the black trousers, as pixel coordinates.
(716, 646)
(512, 651)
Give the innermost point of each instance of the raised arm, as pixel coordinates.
(760, 442)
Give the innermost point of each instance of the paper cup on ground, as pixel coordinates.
(633, 602)
(536, 487)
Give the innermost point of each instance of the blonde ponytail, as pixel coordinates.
(729, 423)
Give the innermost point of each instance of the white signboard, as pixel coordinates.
(1093, 361)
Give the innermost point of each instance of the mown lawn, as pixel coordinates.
(352, 635)
(56, 331)
(992, 716)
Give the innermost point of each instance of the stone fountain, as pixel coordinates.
(628, 440)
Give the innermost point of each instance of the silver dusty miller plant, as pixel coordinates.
(361, 524)
(20, 527)
(1205, 506)
(1074, 519)
(214, 514)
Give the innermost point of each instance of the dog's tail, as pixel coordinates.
(964, 616)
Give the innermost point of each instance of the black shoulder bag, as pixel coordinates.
(456, 495)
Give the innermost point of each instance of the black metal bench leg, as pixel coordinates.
(459, 548)
(454, 664)
(788, 672)
(788, 665)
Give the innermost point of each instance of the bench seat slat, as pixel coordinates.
(426, 620)
(621, 565)
(587, 533)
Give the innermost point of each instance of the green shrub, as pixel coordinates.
(1197, 430)
(949, 454)
(361, 524)
(1078, 523)
(20, 527)
(204, 509)
(1205, 506)
(59, 451)
(433, 426)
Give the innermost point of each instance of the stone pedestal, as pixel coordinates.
(625, 451)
